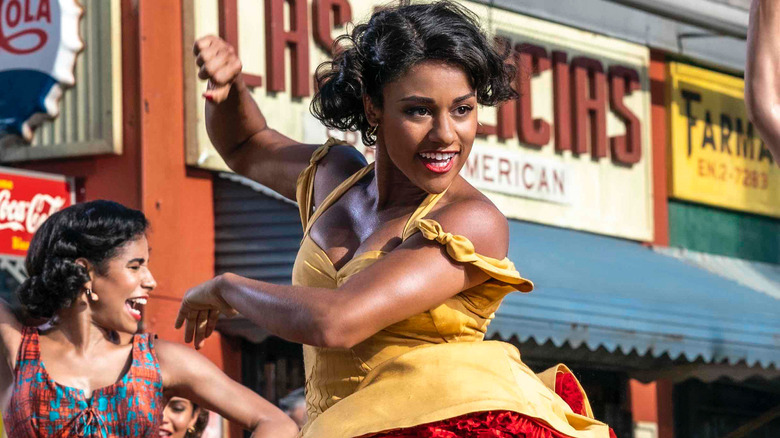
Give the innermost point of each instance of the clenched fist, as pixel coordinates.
(219, 63)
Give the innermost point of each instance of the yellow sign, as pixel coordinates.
(717, 156)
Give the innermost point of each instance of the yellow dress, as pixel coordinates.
(429, 367)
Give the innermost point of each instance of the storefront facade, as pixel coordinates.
(603, 156)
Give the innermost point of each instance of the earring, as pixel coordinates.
(191, 429)
(372, 130)
(91, 295)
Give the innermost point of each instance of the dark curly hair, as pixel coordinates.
(394, 40)
(200, 423)
(94, 231)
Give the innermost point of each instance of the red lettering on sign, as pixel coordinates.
(543, 180)
(590, 106)
(487, 168)
(505, 118)
(228, 31)
(558, 180)
(625, 149)
(526, 168)
(44, 11)
(533, 60)
(28, 18)
(11, 15)
(471, 168)
(561, 101)
(296, 39)
(504, 169)
(321, 9)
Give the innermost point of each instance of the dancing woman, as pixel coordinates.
(89, 276)
(403, 263)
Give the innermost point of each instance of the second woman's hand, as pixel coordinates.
(200, 310)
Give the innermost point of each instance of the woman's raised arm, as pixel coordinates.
(237, 127)
(762, 72)
(10, 340)
(190, 375)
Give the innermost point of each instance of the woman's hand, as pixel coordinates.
(200, 309)
(219, 63)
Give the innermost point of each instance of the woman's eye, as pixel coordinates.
(135, 267)
(463, 110)
(418, 111)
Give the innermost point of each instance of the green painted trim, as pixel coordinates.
(712, 230)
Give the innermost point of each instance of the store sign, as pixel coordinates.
(717, 156)
(573, 151)
(39, 41)
(26, 200)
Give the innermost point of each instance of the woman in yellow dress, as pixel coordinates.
(403, 263)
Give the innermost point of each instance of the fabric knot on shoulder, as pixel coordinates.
(462, 250)
(458, 247)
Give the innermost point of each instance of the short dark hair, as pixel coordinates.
(396, 39)
(94, 231)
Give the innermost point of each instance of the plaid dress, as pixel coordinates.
(41, 407)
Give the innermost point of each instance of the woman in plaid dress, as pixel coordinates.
(89, 278)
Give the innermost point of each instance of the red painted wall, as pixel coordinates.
(660, 142)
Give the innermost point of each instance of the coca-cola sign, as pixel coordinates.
(27, 199)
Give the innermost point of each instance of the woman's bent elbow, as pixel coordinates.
(333, 334)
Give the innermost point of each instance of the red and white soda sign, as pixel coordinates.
(39, 42)
(26, 200)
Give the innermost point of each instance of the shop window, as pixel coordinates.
(715, 410)
(272, 368)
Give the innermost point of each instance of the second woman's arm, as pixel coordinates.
(190, 375)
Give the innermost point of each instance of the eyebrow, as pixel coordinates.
(140, 260)
(428, 100)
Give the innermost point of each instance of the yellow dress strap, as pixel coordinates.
(422, 210)
(304, 186)
(336, 194)
(462, 250)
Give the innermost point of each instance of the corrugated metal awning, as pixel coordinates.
(603, 292)
(760, 276)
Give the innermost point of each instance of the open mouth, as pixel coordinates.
(438, 162)
(134, 306)
(164, 433)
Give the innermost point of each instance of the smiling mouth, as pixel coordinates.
(134, 306)
(438, 162)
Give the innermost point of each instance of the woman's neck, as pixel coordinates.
(393, 188)
(75, 326)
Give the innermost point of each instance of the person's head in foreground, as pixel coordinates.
(89, 257)
(294, 405)
(183, 419)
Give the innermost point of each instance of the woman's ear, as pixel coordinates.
(91, 272)
(194, 419)
(372, 112)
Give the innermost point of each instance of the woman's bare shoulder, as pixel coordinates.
(468, 212)
(10, 333)
(341, 161)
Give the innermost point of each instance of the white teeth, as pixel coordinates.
(137, 302)
(439, 156)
